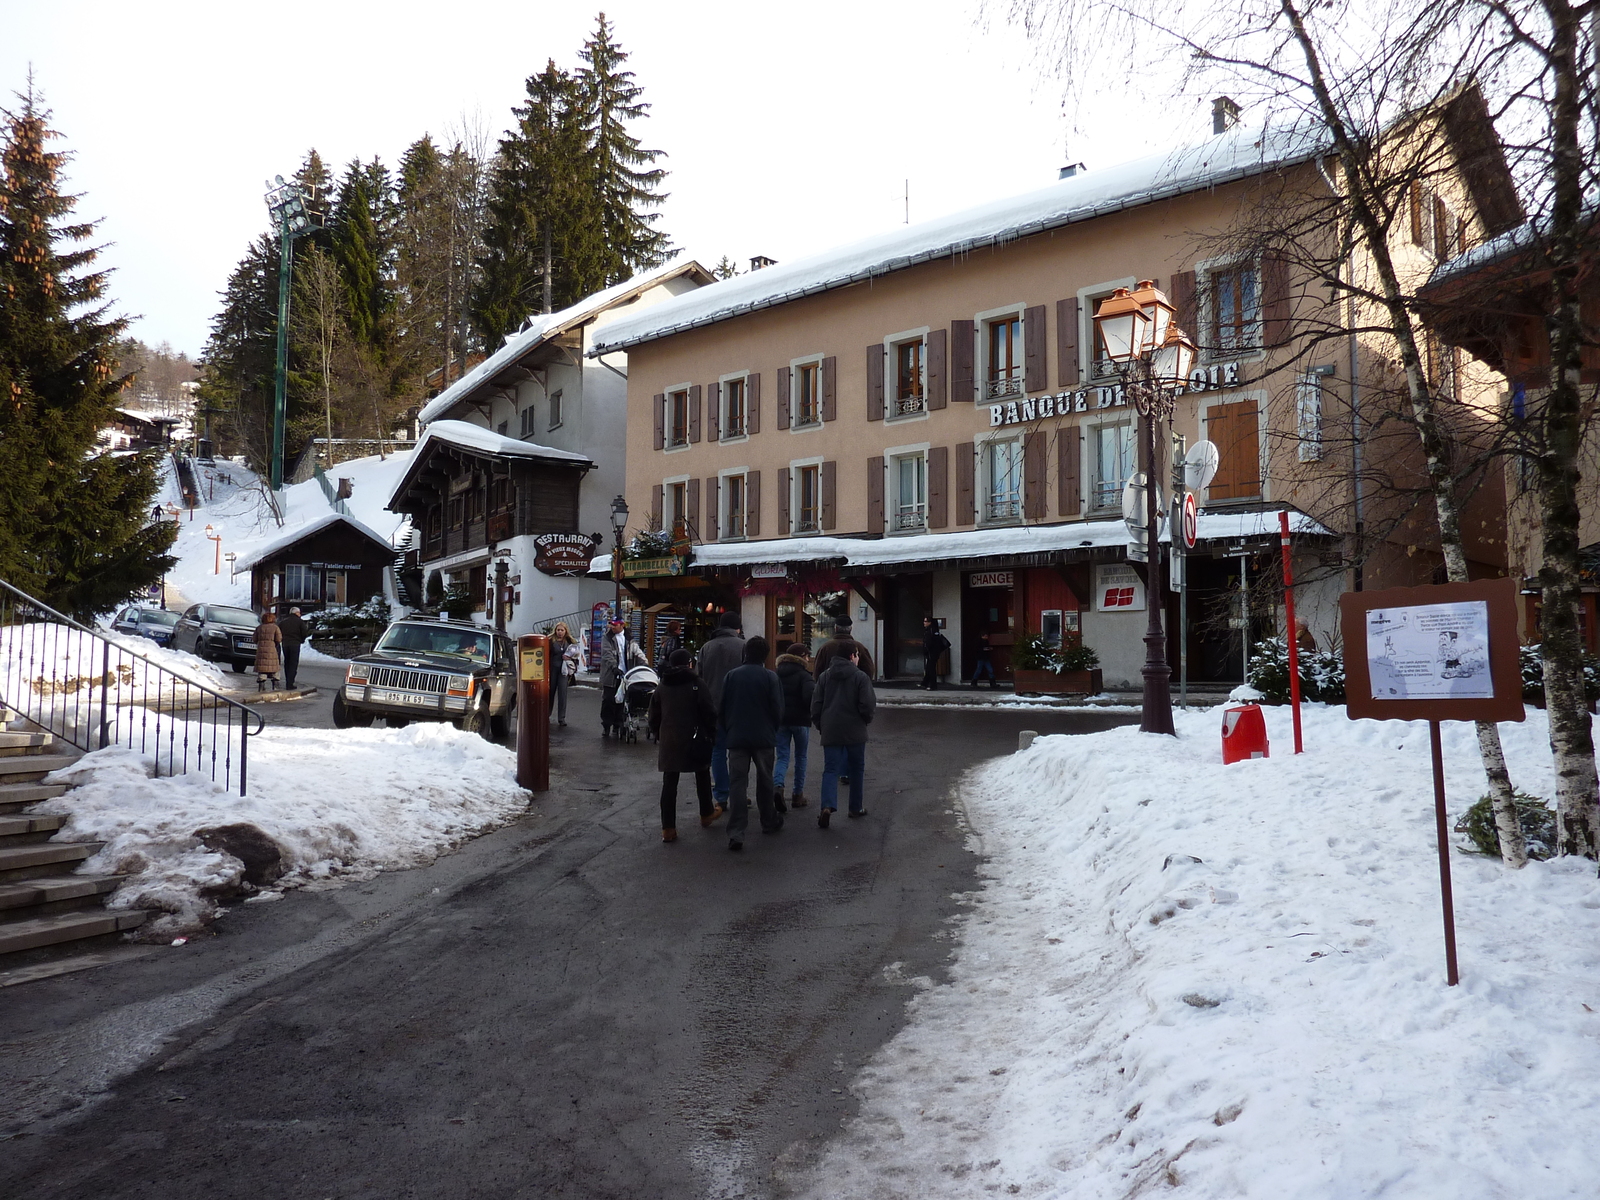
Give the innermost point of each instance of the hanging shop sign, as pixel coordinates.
(564, 553)
(654, 568)
(1117, 588)
(994, 579)
(769, 571)
(1061, 404)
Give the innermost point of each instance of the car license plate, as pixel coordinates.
(247, 645)
(401, 698)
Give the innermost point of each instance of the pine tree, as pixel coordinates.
(74, 527)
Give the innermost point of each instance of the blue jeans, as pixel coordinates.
(801, 736)
(719, 769)
(844, 760)
(984, 670)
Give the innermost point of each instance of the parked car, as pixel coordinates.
(432, 670)
(154, 623)
(218, 633)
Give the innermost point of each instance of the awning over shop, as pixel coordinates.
(977, 548)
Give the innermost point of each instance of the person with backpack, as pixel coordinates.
(841, 709)
(794, 677)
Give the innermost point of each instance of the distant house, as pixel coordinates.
(138, 431)
(333, 562)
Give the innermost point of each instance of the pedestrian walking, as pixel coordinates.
(983, 668)
(841, 709)
(749, 715)
(723, 651)
(617, 654)
(842, 642)
(684, 724)
(293, 629)
(794, 677)
(268, 638)
(934, 645)
(561, 641)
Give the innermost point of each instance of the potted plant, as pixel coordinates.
(1033, 666)
(1078, 667)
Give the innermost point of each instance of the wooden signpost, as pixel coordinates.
(1441, 653)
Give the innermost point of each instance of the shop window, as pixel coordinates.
(677, 419)
(335, 588)
(807, 498)
(910, 378)
(1002, 480)
(909, 479)
(1112, 458)
(733, 506)
(807, 401)
(300, 582)
(1003, 358)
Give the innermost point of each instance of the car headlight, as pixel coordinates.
(357, 673)
(460, 685)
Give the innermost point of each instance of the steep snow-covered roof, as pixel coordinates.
(541, 326)
(290, 536)
(474, 437)
(1237, 154)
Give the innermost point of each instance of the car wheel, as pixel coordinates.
(345, 717)
(477, 721)
(500, 727)
(238, 668)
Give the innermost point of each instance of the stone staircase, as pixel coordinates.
(46, 910)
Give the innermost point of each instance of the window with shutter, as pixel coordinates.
(694, 413)
(875, 382)
(1068, 452)
(678, 418)
(1002, 358)
(657, 495)
(1034, 502)
(963, 344)
(937, 369)
(908, 480)
(966, 463)
(713, 508)
(1112, 453)
(784, 398)
(691, 507)
(875, 494)
(1182, 295)
(1235, 304)
(1067, 342)
(830, 388)
(752, 402)
(735, 413)
(1275, 302)
(1036, 376)
(1001, 464)
(752, 504)
(938, 487)
(1235, 430)
(785, 487)
(830, 495)
(734, 506)
(713, 412)
(658, 404)
(807, 390)
(808, 490)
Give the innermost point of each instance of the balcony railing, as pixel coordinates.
(906, 519)
(905, 406)
(1003, 387)
(1002, 509)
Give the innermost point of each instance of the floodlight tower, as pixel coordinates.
(291, 211)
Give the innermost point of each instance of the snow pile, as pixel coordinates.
(340, 803)
(1190, 979)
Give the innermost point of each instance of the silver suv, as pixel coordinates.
(425, 669)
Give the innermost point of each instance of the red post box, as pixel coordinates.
(1244, 733)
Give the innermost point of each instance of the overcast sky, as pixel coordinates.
(787, 128)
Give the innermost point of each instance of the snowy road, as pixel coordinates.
(563, 1008)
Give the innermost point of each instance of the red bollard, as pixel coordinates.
(533, 712)
(1244, 733)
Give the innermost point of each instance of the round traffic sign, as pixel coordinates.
(1191, 521)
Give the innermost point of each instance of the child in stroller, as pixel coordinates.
(633, 694)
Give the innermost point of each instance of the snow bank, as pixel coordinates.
(340, 803)
(1189, 979)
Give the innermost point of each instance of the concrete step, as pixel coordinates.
(30, 768)
(17, 745)
(14, 797)
(18, 828)
(57, 891)
(51, 858)
(31, 933)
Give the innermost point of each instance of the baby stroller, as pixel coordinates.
(633, 693)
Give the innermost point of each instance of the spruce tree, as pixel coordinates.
(75, 526)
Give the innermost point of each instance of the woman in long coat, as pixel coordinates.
(684, 723)
(268, 638)
(560, 639)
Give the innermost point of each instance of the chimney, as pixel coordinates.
(1071, 169)
(1224, 114)
(761, 260)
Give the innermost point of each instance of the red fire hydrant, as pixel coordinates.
(1244, 733)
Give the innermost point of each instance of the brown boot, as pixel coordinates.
(798, 800)
(707, 821)
(669, 835)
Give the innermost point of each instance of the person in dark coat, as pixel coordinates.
(842, 708)
(934, 644)
(794, 677)
(268, 638)
(749, 716)
(842, 643)
(984, 665)
(723, 651)
(684, 723)
(293, 629)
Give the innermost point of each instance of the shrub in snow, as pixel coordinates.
(649, 543)
(1035, 652)
(1538, 826)
(1533, 677)
(459, 601)
(1321, 673)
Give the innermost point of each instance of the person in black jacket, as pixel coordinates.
(794, 677)
(684, 724)
(294, 635)
(748, 717)
(841, 709)
(934, 644)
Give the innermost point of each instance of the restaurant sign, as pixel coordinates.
(564, 553)
(1062, 404)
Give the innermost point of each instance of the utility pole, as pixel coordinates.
(287, 202)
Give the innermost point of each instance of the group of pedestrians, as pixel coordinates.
(278, 649)
(730, 715)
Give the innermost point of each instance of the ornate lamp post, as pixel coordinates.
(1153, 356)
(619, 522)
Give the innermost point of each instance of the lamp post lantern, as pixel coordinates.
(290, 207)
(217, 538)
(619, 522)
(1153, 356)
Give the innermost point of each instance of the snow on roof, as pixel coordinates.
(476, 437)
(543, 325)
(975, 543)
(1237, 154)
(290, 536)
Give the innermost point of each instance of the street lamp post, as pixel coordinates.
(287, 202)
(217, 538)
(619, 522)
(1153, 356)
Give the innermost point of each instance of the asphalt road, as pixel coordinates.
(562, 1008)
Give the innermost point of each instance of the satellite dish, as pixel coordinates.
(1200, 465)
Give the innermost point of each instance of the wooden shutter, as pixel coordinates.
(875, 494)
(962, 341)
(966, 464)
(1067, 342)
(656, 507)
(713, 412)
(1069, 448)
(785, 487)
(692, 503)
(1275, 301)
(875, 382)
(694, 413)
(1235, 428)
(784, 387)
(752, 402)
(713, 506)
(752, 504)
(659, 403)
(939, 487)
(830, 494)
(938, 384)
(1034, 503)
(1419, 209)
(830, 388)
(1035, 361)
(1182, 297)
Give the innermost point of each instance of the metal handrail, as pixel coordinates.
(328, 491)
(91, 692)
